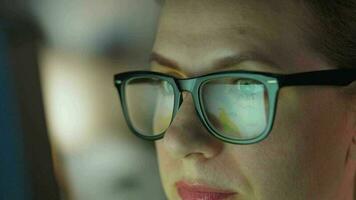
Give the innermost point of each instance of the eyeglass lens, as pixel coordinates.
(150, 104)
(236, 108)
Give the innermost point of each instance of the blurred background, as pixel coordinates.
(76, 46)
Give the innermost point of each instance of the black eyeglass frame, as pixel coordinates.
(273, 83)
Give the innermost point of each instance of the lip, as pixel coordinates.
(189, 191)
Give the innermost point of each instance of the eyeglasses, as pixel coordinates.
(237, 107)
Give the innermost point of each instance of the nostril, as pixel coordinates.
(198, 156)
(187, 140)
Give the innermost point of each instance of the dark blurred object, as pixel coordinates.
(15, 8)
(26, 169)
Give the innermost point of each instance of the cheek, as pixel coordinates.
(306, 143)
(165, 160)
(169, 168)
(302, 157)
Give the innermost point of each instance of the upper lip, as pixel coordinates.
(200, 188)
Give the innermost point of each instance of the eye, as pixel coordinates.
(166, 87)
(248, 86)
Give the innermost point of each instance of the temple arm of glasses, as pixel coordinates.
(337, 77)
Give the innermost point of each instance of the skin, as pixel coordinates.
(309, 153)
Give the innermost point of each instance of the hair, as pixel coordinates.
(335, 33)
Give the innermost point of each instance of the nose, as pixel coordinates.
(187, 137)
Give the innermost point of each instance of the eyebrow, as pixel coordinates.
(219, 64)
(160, 59)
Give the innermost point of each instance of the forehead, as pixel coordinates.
(210, 13)
(208, 17)
(208, 29)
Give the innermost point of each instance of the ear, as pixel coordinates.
(351, 156)
(350, 97)
(351, 168)
(348, 186)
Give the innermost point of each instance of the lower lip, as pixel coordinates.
(189, 192)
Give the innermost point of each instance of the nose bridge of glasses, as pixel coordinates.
(186, 84)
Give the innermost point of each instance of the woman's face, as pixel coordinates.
(304, 157)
